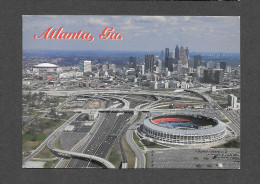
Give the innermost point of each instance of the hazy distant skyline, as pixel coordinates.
(140, 33)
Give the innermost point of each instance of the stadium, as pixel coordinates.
(183, 129)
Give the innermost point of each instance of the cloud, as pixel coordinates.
(97, 21)
(160, 19)
(199, 33)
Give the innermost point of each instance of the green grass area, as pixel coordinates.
(50, 123)
(233, 143)
(195, 158)
(37, 133)
(163, 107)
(130, 154)
(114, 155)
(34, 113)
(198, 166)
(192, 100)
(50, 164)
(137, 141)
(149, 144)
(45, 153)
(35, 137)
(57, 143)
(67, 116)
(206, 158)
(225, 120)
(218, 98)
(60, 100)
(209, 165)
(138, 117)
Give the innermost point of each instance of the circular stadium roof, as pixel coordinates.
(46, 65)
(215, 129)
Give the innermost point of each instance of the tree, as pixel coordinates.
(53, 113)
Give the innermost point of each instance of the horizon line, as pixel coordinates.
(126, 50)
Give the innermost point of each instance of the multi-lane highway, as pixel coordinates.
(115, 118)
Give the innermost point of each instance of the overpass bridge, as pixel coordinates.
(83, 155)
(137, 110)
(77, 155)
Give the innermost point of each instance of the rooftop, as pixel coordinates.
(46, 65)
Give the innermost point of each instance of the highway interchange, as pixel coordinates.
(117, 116)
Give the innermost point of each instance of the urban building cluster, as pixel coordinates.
(168, 69)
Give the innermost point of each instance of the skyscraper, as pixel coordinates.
(149, 63)
(132, 62)
(183, 56)
(197, 61)
(213, 76)
(167, 52)
(167, 55)
(161, 55)
(232, 100)
(177, 53)
(85, 66)
(187, 52)
(223, 65)
(207, 76)
(219, 75)
(172, 54)
(170, 64)
(160, 65)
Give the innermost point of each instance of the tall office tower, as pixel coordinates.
(159, 66)
(170, 64)
(179, 66)
(223, 65)
(228, 69)
(217, 66)
(177, 52)
(197, 61)
(132, 62)
(149, 63)
(85, 66)
(213, 76)
(219, 76)
(210, 64)
(142, 69)
(232, 100)
(163, 65)
(156, 58)
(161, 55)
(167, 55)
(172, 54)
(207, 76)
(183, 56)
(187, 52)
(167, 52)
(200, 70)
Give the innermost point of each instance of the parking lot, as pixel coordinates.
(194, 159)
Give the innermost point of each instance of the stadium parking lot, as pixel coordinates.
(194, 158)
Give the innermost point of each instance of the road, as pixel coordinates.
(139, 153)
(77, 155)
(235, 125)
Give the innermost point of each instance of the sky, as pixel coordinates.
(140, 33)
